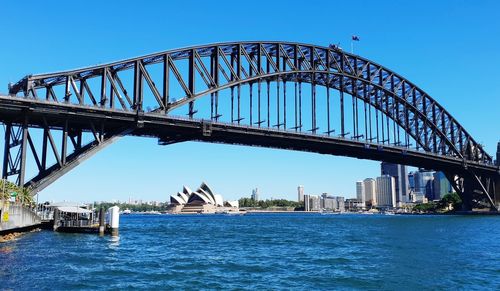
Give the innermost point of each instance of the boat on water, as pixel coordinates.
(126, 211)
(329, 212)
(234, 212)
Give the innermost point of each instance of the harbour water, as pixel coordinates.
(263, 251)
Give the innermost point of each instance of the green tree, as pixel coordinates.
(25, 196)
(248, 202)
(425, 207)
(22, 194)
(453, 199)
(8, 189)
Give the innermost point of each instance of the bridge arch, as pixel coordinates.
(434, 128)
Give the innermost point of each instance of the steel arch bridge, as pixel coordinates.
(270, 94)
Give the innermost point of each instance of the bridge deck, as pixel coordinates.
(171, 129)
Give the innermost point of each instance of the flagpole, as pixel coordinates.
(352, 46)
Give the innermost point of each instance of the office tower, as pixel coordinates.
(255, 194)
(386, 191)
(441, 185)
(307, 203)
(370, 187)
(400, 174)
(300, 191)
(424, 183)
(361, 193)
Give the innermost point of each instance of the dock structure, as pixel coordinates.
(74, 218)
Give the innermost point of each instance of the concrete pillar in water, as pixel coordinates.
(102, 226)
(114, 219)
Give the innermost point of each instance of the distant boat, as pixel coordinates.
(234, 212)
(329, 212)
(126, 211)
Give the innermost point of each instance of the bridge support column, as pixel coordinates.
(5, 162)
(477, 192)
(15, 147)
(467, 193)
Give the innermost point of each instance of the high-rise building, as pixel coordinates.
(307, 201)
(441, 185)
(361, 193)
(300, 192)
(498, 154)
(386, 191)
(400, 174)
(370, 187)
(424, 183)
(255, 194)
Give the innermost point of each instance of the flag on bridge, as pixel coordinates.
(355, 38)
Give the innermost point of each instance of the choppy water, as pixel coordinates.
(263, 251)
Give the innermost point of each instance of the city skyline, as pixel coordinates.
(430, 49)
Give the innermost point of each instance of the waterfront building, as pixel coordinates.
(370, 187)
(400, 174)
(340, 203)
(441, 185)
(361, 193)
(386, 191)
(352, 204)
(328, 202)
(300, 192)
(255, 194)
(203, 200)
(312, 203)
(424, 183)
(333, 203)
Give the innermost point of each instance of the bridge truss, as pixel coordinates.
(272, 94)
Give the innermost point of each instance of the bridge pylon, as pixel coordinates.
(477, 191)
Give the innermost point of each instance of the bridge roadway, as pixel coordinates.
(171, 129)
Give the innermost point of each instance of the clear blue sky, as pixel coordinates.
(451, 49)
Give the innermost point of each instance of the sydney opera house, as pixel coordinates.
(203, 200)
